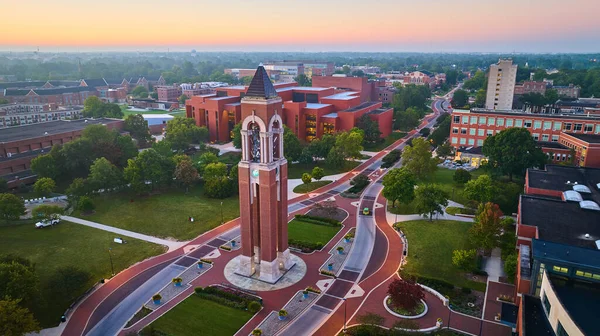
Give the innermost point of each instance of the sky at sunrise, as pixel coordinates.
(307, 25)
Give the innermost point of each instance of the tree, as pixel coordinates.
(360, 181)
(77, 188)
(68, 281)
(92, 107)
(441, 131)
(3, 185)
(417, 159)
(551, 96)
(237, 136)
(149, 166)
(335, 158)
(140, 92)
(104, 175)
(85, 204)
(350, 143)
(246, 80)
(44, 166)
(154, 95)
(407, 120)
(480, 98)
(444, 150)
(182, 99)
(405, 293)
(214, 170)
(460, 99)
(137, 126)
(399, 184)
(464, 259)
(425, 131)
(318, 173)
(461, 176)
(510, 267)
(390, 158)
(476, 82)
(321, 148)
(46, 211)
(291, 145)
(480, 190)
(18, 281)
(218, 187)
(16, 320)
(512, 151)
(372, 134)
(306, 178)
(44, 186)
(487, 226)
(163, 148)
(303, 80)
(430, 199)
(181, 132)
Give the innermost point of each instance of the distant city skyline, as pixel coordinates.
(536, 26)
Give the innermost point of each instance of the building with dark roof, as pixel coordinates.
(310, 112)
(19, 145)
(558, 237)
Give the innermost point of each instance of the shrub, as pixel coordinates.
(405, 293)
(177, 280)
(340, 249)
(254, 307)
(225, 247)
(256, 332)
(510, 267)
(461, 176)
(317, 173)
(331, 274)
(207, 261)
(464, 259)
(319, 220)
(390, 158)
(283, 312)
(304, 245)
(312, 289)
(156, 297)
(306, 178)
(360, 181)
(85, 204)
(466, 290)
(198, 290)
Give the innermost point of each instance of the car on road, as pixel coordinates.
(366, 211)
(47, 222)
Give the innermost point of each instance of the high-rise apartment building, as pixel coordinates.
(501, 85)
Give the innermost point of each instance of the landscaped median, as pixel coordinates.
(308, 187)
(308, 233)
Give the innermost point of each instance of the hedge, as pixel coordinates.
(304, 245)
(319, 220)
(235, 300)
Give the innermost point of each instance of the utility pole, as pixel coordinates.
(345, 310)
(221, 212)
(112, 269)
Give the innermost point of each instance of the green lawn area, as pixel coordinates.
(178, 114)
(463, 211)
(309, 232)
(231, 158)
(69, 244)
(308, 187)
(164, 215)
(430, 246)
(296, 170)
(388, 141)
(197, 316)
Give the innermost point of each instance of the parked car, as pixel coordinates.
(47, 222)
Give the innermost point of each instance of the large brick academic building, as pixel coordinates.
(310, 112)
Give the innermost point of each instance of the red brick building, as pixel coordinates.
(309, 112)
(558, 134)
(530, 87)
(168, 93)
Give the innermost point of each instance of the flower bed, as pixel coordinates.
(419, 311)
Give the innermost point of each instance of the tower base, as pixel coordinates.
(245, 266)
(269, 271)
(285, 262)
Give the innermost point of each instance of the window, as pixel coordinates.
(567, 127)
(597, 129)
(519, 123)
(587, 275)
(490, 132)
(560, 269)
(527, 123)
(463, 141)
(472, 131)
(536, 136)
(455, 130)
(560, 331)
(473, 120)
(500, 122)
(482, 120)
(546, 303)
(537, 124)
(454, 140)
(554, 138)
(480, 132)
(479, 142)
(577, 127)
(545, 137)
(509, 123)
(456, 119)
(557, 126)
(463, 131)
(491, 121)
(547, 125)
(588, 128)
(471, 142)
(465, 120)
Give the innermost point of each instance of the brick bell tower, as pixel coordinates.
(263, 183)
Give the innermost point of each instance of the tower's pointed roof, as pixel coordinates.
(261, 86)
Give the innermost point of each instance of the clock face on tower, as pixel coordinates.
(255, 173)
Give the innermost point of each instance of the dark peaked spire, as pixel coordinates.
(261, 86)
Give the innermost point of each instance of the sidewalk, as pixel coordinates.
(172, 245)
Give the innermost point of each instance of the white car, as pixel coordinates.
(47, 222)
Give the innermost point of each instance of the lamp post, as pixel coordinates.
(345, 309)
(112, 269)
(221, 212)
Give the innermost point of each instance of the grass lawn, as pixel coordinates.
(390, 139)
(69, 244)
(430, 246)
(308, 187)
(296, 170)
(178, 114)
(309, 232)
(163, 215)
(457, 210)
(231, 158)
(197, 316)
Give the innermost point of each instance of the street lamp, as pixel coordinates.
(112, 269)
(221, 212)
(345, 309)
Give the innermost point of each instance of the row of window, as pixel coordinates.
(463, 141)
(560, 330)
(483, 132)
(536, 124)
